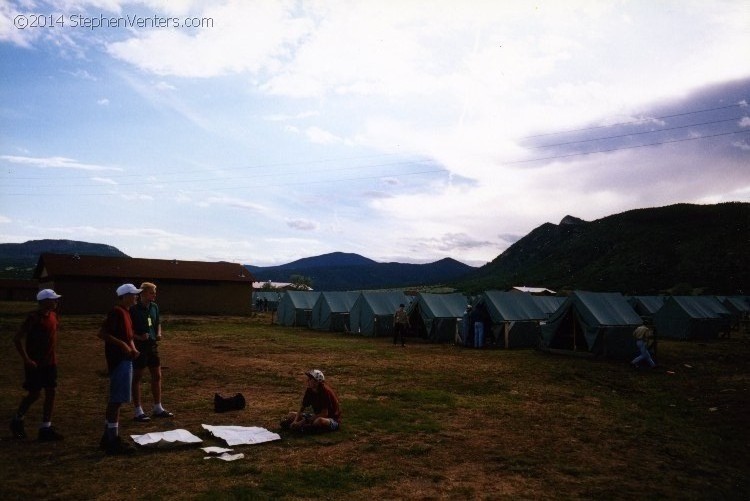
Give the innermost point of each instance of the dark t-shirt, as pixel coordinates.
(145, 319)
(324, 398)
(119, 325)
(41, 338)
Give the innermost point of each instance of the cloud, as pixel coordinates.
(302, 224)
(55, 163)
(237, 203)
(104, 180)
(282, 117)
(103, 102)
(4, 219)
(745, 122)
(377, 194)
(164, 86)
(319, 136)
(245, 37)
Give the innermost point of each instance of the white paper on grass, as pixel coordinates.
(178, 435)
(215, 450)
(242, 435)
(227, 457)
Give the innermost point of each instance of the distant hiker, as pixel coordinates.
(466, 327)
(147, 332)
(478, 320)
(400, 324)
(643, 338)
(320, 397)
(119, 351)
(39, 354)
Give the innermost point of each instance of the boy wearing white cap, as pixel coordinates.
(39, 356)
(120, 351)
(320, 397)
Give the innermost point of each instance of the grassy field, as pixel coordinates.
(422, 422)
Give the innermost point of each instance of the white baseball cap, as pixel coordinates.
(127, 289)
(47, 294)
(316, 375)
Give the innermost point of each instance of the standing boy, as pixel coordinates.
(119, 350)
(400, 323)
(147, 331)
(39, 356)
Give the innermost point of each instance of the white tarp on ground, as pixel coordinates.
(179, 435)
(221, 453)
(242, 435)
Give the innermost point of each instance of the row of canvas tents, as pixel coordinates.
(366, 313)
(588, 322)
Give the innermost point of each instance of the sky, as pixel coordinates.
(261, 132)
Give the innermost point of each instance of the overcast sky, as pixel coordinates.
(399, 130)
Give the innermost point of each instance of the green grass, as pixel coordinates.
(425, 422)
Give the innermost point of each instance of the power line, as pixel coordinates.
(626, 147)
(634, 133)
(640, 121)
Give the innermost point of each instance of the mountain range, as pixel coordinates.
(345, 271)
(19, 260)
(680, 248)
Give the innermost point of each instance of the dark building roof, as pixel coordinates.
(68, 265)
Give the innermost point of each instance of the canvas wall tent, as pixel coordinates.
(739, 308)
(331, 311)
(269, 300)
(436, 317)
(646, 306)
(596, 323)
(372, 313)
(515, 318)
(295, 308)
(549, 304)
(692, 317)
(88, 283)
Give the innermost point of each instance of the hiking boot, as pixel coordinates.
(49, 434)
(163, 414)
(118, 447)
(142, 418)
(16, 428)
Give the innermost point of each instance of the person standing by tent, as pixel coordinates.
(643, 337)
(400, 324)
(40, 364)
(147, 332)
(477, 319)
(326, 411)
(119, 351)
(467, 327)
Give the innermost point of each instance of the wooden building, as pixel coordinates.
(12, 289)
(88, 283)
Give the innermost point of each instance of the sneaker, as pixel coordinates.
(163, 414)
(16, 428)
(49, 434)
(118, 447)
(142, 418)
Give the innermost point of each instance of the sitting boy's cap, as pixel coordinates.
(127, 289)
(47, 294)
(316, 375)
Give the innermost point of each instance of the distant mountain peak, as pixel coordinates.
(571, 220)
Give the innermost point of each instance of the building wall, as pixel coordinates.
(91, 296)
